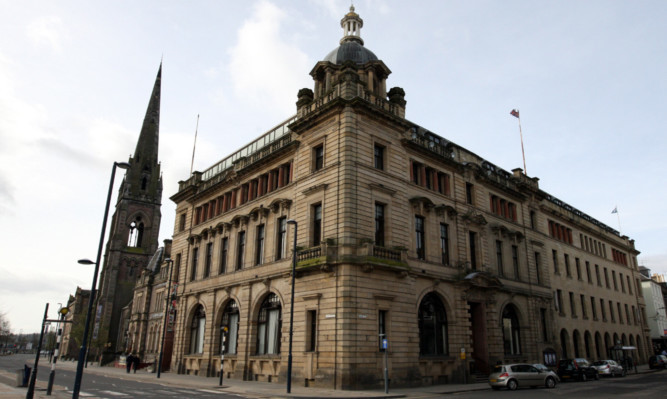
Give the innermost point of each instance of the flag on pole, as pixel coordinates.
(615, 210)
(514, 113)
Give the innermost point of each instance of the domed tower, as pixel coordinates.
(351, 70)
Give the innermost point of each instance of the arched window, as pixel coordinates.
(576, 337)
(607, 345)
(511, 334)
(563, 343)
(230, 319)
(433, 338)
(136, 233)
(268, 326)
(197, 331)
(587, 344)
(598, 345)
(144, 183)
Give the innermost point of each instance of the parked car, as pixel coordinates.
(512, 376)
(547, 370)
(576, 369)
(657, 362)
(609, 368)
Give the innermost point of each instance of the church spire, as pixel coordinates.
(147, 146)
(143, 180)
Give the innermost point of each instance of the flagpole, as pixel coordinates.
(619, 221)
(515, 113)
(523, 155)
(194, 146)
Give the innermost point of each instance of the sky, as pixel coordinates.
(75, 78)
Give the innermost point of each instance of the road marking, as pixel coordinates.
(114, 393)
(208, 391)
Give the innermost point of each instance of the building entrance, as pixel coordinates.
(480, 354)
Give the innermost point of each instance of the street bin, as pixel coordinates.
(23, 376)
(26, 375)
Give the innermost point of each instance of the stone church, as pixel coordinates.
(133, 238)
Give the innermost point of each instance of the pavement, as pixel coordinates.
(250, 389)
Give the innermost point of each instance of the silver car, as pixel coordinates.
(609, 368)
(512, 376)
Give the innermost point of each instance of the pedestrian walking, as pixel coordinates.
(135, 361)
(128, 362)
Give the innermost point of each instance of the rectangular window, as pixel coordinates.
(593, 310)
(620, 314)
(620, 278)
(311, 338)
(515, 261)
(602, 311)
(209, 259)
(444, 243)
(588, 273)
(573, 308)
(533, 220)
(240, 250)
(559, 301)
(577, 265)
(606, 278)
(469, 194)
(181, 222)
(318, 157)
(582, 298)
(554, 255)
(195, 259)
(597, 275)
(543, 320)
(499, 257)
(420, 237)
(568, 272)
(538, 268)
(429, 178)
(224, 249)
(613, 278)
(611, 312)
(416, 173)
(627, 314)
(629, 285)
(281, 238)
(472, 241)
(379, 224)
(443, 183)
(259, 245)
(382, 328)
(317, 224)
(378, 157)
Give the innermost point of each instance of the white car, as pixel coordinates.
(609, 368)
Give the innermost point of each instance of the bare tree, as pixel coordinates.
(5, 329)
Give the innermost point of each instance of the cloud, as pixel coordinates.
(48, 31)
(265, 67)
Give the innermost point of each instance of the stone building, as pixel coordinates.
(75, 318)
(135, 225)
(402, 235)
(143, 319)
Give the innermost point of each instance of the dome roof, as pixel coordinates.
(350, 51)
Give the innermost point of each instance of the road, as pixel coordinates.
(110, 386)
(636, 386)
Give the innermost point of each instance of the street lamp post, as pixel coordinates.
(166, 315)
(291, 312)
(83, 350)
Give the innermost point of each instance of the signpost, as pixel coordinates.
(385, 347)
(222, 351)
(463, 357)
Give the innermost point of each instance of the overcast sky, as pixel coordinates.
(589, 78)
